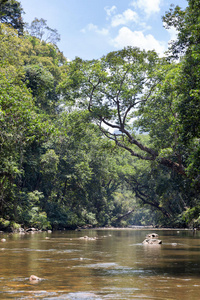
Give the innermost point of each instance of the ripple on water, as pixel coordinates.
(111, 269)
(17, 250)
(100, 265)
(126, 271)
(31, 249)
(76, 296)
(42, 294)
(38, 294)
(67, 251)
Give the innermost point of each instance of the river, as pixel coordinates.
(113, 264)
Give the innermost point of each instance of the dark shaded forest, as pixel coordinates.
(107, 142)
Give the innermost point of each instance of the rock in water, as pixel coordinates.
(152, 236)
(34, 278)
(152, 242)
(152, 239)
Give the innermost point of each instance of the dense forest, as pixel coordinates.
(107, 142)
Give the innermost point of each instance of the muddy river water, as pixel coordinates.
(111, 264)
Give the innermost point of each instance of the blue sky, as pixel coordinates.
(92, 28)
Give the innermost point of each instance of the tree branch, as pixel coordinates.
(119, 218)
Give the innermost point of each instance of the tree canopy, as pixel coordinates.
(11, 14)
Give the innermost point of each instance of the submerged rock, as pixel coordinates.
(87, 238)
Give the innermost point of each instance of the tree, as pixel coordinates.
(42, 66)
(188, 84)
(131, 90)
(41, 83)
(18, 123)
(115, 87)
(11, 14)
(43, 32)
(21, 127)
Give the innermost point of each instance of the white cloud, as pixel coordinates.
(148, 6)
(173, 33)
(126, 37)
(122, 19)
(94, 28)
(110, 10)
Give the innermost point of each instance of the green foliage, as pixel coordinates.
(124, 85)
(82, 180)
(191, 217)
(7, 225)
(39, 219)
(130, 90)
(188, 85)
(29, 211)
(10, 57)
(4, 224)
(49, 162)
(11, 14)
(41, 83)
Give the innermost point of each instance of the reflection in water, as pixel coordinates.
(115, 265)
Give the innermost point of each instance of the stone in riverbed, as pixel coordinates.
(152, 242)
(87, 238)
(32, 229)
(34, 279)
(152, 236)
(152, 239)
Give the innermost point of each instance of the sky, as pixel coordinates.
(90, 29)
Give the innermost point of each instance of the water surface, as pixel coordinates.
(115, 265)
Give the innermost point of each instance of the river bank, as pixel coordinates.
(33, 230)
